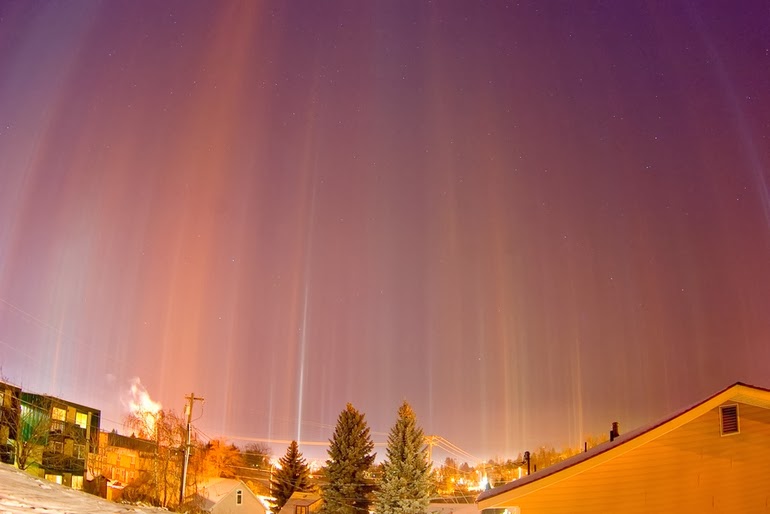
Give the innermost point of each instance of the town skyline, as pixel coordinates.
(527, 220)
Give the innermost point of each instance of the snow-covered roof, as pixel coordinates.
(738, 392)
(215, 489)
(304, 498)
(300, 498)
(21, 493)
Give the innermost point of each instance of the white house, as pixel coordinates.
(227, 496)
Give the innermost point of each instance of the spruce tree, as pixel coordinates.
(350, 458)
(292, 476)
(407, 481)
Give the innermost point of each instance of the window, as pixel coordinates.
(77, 482)
(729, 419)
(300, 509)
(58, 414)
(238, 497)
(81, 419)
(56, 446)
(80, 451)
(56, 479)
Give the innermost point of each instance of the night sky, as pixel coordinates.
(527, 219)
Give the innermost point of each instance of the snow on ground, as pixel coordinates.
(23, 493)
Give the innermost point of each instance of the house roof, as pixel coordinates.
(303, 498)
(299, 498)
(214, 490)
(46, 401)
(738, 392)
(131, 442)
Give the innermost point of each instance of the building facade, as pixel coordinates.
(60, 435)
(120, 461)
(121, 458)
(10, 413)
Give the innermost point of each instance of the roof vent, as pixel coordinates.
(729, 419)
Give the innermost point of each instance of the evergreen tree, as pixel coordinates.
(407, 482)
(350, 458)
(293, 475)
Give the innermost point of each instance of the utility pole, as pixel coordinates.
(430, 440)
(188, 409)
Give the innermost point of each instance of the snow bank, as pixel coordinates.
(23, 493)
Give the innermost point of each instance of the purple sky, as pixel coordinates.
(527, 219)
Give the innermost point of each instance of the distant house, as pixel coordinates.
(302, 503)
(711, 457)
(226, 496)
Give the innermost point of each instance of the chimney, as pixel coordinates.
(615, 432)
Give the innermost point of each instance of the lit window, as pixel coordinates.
(238, 497)
(58, 414)
(77, 482)
(300, 509)
(56, 479)
(81, 419)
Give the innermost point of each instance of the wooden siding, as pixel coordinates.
(691, 469)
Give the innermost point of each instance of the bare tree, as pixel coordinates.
(35, 432)
(256, 455)
(257, 468)
(28, 428)
(167, 430)
(219, 459)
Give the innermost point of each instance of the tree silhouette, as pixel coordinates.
(407, 482)
(292, 475)
(350, 459)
